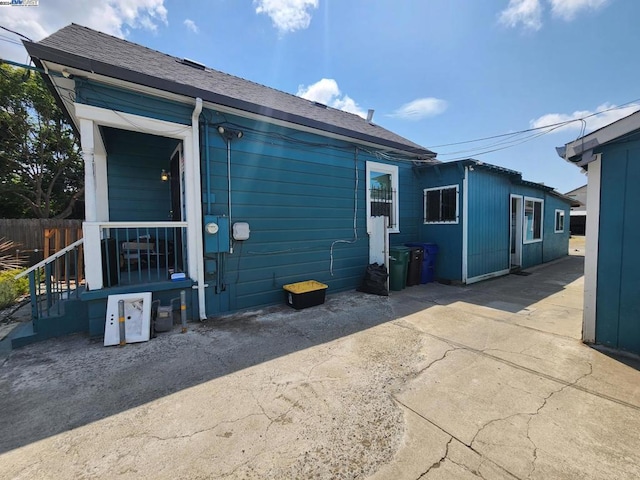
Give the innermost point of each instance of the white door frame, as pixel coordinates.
(516, 258)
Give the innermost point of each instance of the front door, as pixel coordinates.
(515, 231)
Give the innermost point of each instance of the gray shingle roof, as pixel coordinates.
(80, 47)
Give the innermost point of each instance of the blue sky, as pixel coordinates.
(438, 72)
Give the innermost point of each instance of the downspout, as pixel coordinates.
(465, 226)
(195, 133)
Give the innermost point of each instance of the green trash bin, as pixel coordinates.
(398, 264)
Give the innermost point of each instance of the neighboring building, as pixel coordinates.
(488, 221)
(611, 157)
(579, 213)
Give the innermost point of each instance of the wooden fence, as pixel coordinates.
(36, 239)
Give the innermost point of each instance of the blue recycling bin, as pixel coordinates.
(427, 274)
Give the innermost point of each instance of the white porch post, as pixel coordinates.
(91, 233)
(591, 251)
(87, 145)
(100, 172)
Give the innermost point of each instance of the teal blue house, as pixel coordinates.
(203, 182)
(488, 221)
(207, 185)
(611, 158)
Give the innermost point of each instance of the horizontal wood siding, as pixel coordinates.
(99, 95)
(448, 237)
(618, 282)
(297, 192)
(134, 163)
(488, 233)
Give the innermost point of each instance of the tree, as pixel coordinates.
(41, 169)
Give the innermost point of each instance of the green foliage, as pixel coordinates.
(10, 288)
(41, 170)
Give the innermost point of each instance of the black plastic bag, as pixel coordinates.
(375, 280)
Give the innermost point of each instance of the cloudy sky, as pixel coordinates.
(443, 73)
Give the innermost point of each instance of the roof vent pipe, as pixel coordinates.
(370, 115)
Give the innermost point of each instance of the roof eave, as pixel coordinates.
(42, 52)
(580, 151)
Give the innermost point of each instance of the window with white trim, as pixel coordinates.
(382, 193)
(441, 204)
(533, 214)
(559, 221)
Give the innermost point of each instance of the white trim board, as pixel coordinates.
(487, 276)
(591, 253)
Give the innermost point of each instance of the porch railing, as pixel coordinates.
(54, 279)
(129, 253)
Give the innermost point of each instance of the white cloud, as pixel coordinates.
(525, 12)
(115, 17)
(327, 92)
(529, 12)
(567, 9)
(421, 108)
(287, 15)
(605, 114)
(191, 25)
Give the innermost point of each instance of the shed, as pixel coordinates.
(611, 157)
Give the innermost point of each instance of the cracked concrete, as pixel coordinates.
(434, 382)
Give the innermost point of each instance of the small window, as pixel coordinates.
(532, 220)
(382, 193)
(441, 204)
(559, 221)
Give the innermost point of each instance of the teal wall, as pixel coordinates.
(488, 244)
(618, 282)
(448, 237)
(556, 245)
(99, 95)
(488, 222)
(297, 192)
(134, 163)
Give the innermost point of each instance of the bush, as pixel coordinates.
(10, 288)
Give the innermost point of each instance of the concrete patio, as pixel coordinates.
(435, 382)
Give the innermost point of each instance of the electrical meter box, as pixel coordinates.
(216, 234)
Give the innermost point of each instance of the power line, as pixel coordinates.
(16, 33)
(552, 126)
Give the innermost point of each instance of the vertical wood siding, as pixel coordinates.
(488, 244)
(618, 283)
(448, 237)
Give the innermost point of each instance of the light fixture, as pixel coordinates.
(229, 134)
(164, 175)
